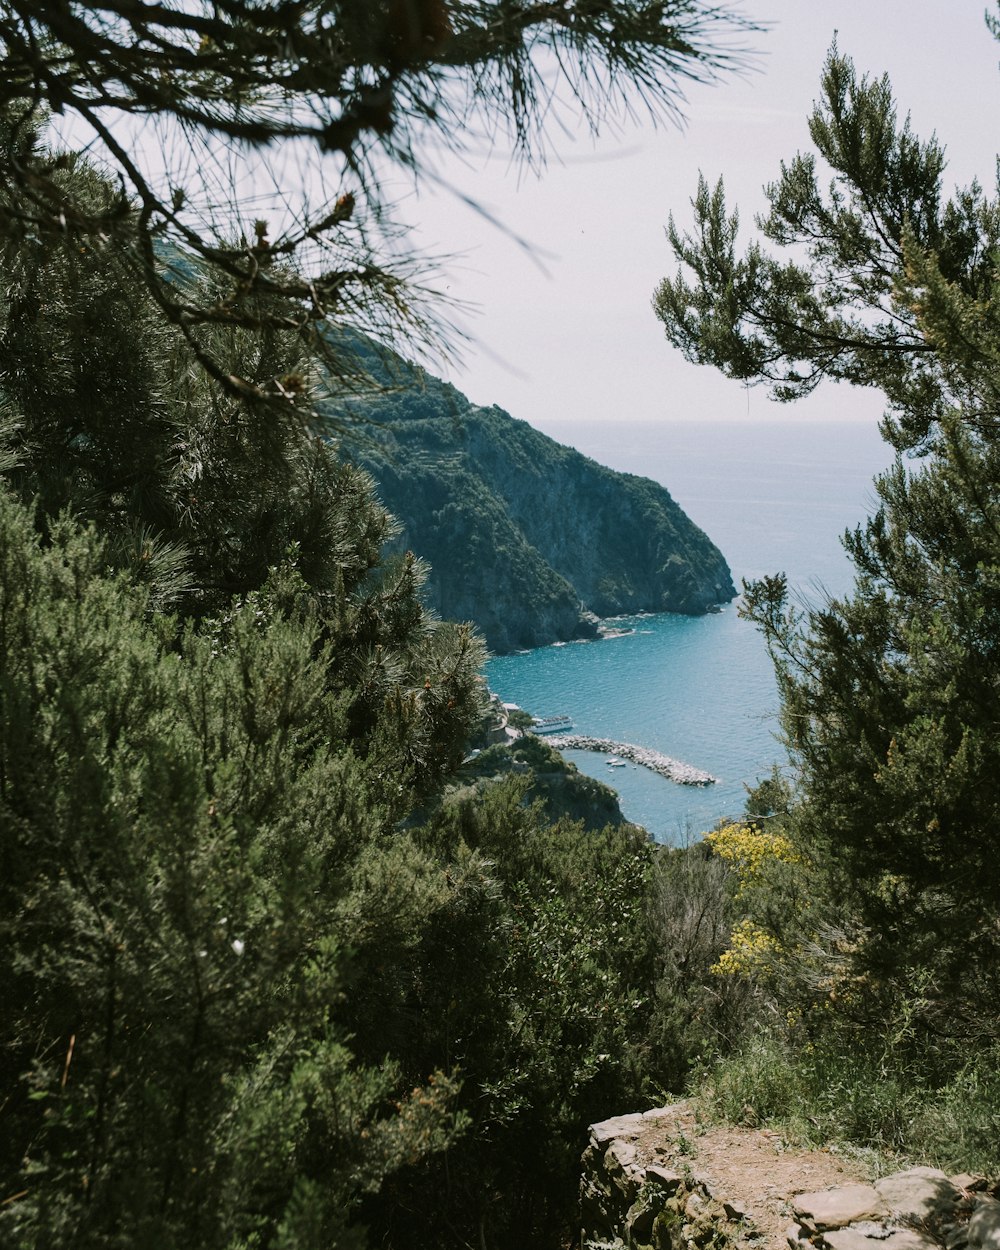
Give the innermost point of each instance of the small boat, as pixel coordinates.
(615, 762)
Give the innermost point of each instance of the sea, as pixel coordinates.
(774, 496)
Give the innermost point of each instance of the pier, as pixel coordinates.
(674, 770)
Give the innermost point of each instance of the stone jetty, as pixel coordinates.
(674, 770)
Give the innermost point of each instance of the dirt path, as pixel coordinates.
(752, 1169)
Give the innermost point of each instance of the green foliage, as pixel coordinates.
(183, 834)
(886, 701)
(697, 1014)
(197, 808)
(883, 943)
(533, 983)
(110, 414)
(107, 413)
(870, 254)
(873, 1101)
(239, 1000)
(524, 536)
(558, 785)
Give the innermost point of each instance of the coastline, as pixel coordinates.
(674, 770)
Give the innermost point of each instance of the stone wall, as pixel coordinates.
(920, 1209)
(634, 1195)
(642, 1188)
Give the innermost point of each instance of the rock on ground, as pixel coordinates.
(663, 1178)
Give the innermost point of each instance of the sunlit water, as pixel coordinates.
(774, 497)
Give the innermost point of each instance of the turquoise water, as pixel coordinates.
(774, 497)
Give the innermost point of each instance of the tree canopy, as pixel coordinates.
(194, 107)
(872, 268)
(889, 695)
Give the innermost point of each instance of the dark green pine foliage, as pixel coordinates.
(535, 981)
(240, 997)
(889, 695)
(866, 250)
(106, 412)
(183, 829)
(257, 966)
(556, 783)
(114, 417)
(191, 805)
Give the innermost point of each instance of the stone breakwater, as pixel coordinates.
(674, 770)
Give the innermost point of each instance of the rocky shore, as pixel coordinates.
(673, 770)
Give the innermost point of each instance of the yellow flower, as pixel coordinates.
(750, 949)
(746, 850)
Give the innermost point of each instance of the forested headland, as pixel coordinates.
(285, 966)
(526, 538)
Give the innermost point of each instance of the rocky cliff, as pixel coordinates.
(528, 538)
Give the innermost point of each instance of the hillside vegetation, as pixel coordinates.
(527, 538)
(867, 880)
(285, 967)
(282, 969)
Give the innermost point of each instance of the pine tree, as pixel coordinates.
(184, 836)
(108, 414)
(889, 694)
(194, 106)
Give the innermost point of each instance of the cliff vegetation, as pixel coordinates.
(527, 538)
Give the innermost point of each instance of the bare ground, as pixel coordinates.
(752, 1169)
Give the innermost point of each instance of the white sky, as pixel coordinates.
(577, 341)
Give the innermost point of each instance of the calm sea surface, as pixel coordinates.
(775, 497)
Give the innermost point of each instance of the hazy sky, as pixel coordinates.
(577, 340)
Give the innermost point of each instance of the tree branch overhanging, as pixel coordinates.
(359, 87)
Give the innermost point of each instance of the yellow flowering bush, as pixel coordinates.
(747, 850)
(750, 951)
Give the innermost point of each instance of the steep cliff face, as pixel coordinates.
(525, 537)
(619, 540)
